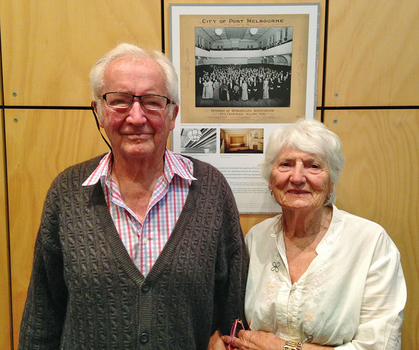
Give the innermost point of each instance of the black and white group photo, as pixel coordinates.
(243, 66)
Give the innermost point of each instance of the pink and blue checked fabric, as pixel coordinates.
(144, 241)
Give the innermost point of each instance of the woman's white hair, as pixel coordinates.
(309, 136)
(136, 52)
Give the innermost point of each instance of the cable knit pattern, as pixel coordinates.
(86, 293)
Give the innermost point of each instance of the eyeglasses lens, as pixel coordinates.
(154, 102)
(117, 100)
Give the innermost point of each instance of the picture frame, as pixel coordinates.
(244, 69)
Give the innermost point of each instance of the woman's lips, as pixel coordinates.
(298, 192)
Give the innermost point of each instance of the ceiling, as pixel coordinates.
(229, 33)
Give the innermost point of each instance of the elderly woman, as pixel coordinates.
(319, 277)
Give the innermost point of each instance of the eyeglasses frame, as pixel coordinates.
(103, 97)
(233, 330)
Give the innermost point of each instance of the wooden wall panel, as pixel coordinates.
(40, 144)
(380, 183)
(49, 47)
(321, 29)
(1, 77)
(5, 302)
(372, 53)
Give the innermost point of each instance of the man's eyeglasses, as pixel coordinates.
(125, 100)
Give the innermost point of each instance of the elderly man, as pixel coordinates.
(141, 247)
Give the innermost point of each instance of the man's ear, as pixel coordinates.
(99, 119)
(174, 116)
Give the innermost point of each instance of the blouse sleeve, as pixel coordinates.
(384, 299)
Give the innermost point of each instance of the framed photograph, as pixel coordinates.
(244, 70)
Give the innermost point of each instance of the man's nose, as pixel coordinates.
(136, 113)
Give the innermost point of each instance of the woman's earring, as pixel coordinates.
(272, 193)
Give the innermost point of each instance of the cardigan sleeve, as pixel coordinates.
(231, 293)
(45, 307)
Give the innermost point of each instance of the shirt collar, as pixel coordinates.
(179, 165)
(101, 170)
(174, 164)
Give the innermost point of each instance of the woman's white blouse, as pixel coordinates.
(352, 295)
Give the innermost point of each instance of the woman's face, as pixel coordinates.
(300, 180)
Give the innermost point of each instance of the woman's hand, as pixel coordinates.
(249, 340)
(216, 343)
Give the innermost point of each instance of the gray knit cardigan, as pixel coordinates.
(86, 293)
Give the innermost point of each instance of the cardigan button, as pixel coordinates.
(144, 338)
(145, 287)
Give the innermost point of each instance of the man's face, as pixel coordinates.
(135, 132)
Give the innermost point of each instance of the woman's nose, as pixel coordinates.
(298, 174)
